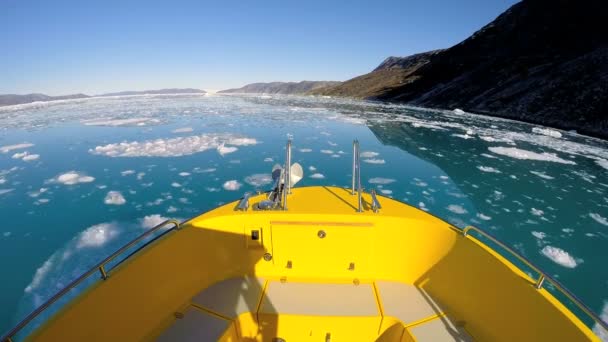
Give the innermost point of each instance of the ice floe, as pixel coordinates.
(488, 169)
(232, 185)
(8, 148)
(305, 150)
(517, 153)
(97, 235)
(5, 191)
(380, 180)
(259, 179)
(25, 156)
(458, 111)
(184, 174)
(176, 185)
(542, 175)
(539, 235)
(151, 221)
(484, 217)
(547, 131)
(457, 209)
(182, 130)
(127, 172)
(72, 177)
(560, 257)
(317, 176)
(119, 122)
(114, 198)
(374, 161)
(537, 212)
(598, 329)
(599, 218)
(327, 151)
(368, 154)
(174, 147)
(171, 209)
(268, 160)
(386, 191)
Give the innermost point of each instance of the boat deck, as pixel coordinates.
(249, 308)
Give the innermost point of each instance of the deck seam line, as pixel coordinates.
(213, 313)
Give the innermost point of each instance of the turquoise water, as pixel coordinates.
(97, 172)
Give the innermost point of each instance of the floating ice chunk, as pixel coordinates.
(40, 274)
(560, 257)
(599, 219)
(484, 217)
(223, 150)
(127, 172)
(327, 151)
(171, 209)
(43, 201)
(368, 154)
(208, 170)
(488, 169)
(312, 168)
(457, 209)
(38, 193)
(458, 111)
(31, 157)
(463, 136)
(386, 191)
(268, 160)
(114, 198)
(374, 161)
(539, 235)
(317, 176)
(331, 143)
(602, 162)
(598, 330)
(542, 175)
(568, 230)
(174, 147)
(8, 148)
(151, 221)
(97, 235)
(517, 153)
(380, 180)
(5, 191)
(72, 177)
(547, 131)
(182, 130)
(259, 179)
(184, 174)
(210, 189)
(232, 185)
(537, 212)
(19, 155)
(305, 150)
(176, 185)
(119, 122)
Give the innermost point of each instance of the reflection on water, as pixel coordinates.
(105, 168)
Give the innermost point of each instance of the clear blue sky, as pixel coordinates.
(93, 46)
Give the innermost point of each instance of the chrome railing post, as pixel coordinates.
(102, 270)
(287, 174)
(540, 281)
(355, 143)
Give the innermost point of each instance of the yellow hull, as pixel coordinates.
(318, 272)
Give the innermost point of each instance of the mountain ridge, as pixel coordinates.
(302, 87)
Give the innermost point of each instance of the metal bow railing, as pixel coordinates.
(542, 276)
(100, 267)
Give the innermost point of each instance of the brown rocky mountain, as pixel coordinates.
(542, 61)
(280, 87)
